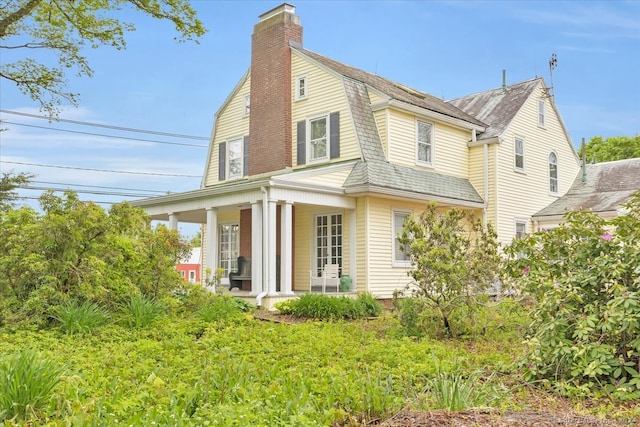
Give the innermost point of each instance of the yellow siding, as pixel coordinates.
(476, 169)
(520, 195)
(362, 241)
(450, 152)
(304, 242)
(325, 95)
(375, 97)
(381, 118)
(231, 123)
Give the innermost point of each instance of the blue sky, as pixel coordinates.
(448, 49)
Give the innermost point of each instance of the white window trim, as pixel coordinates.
(225, 280)
(422, 162)
(394, 233)
(228, 163)
(553, 193)
(517, 221)
(524, 155)
(328, 139)
(246, 105)
(314, 238)
(192, 276)
(542, 113)
(303, 78)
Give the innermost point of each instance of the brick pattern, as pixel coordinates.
(245, 233)
(270, 126)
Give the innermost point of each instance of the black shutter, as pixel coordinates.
(334, 141)
(302, 142)
(245, 169)
(222, 157)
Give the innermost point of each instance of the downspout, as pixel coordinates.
(265, 247)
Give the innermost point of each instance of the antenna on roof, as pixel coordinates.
(553, 64)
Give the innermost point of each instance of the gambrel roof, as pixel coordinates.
(605, 187)
(497, 107)
(392, 89)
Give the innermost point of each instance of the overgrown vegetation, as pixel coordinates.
(324, 307)
(454, 260)
(80, 318)
(584, 280)
(76, 250)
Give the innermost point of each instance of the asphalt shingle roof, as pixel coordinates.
(497, 107)
(607, 186)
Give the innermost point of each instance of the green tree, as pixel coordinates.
(455, 258)
(61, 29)
(612, 148)
(584, 279)
(76, 250)
(8, 184)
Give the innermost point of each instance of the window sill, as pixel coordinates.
(425, 165)
(520, 171)
(401, 264)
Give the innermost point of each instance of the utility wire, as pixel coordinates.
(100, 170)
(95, 192)
(104, 135)
(78, 122)
(98, 186)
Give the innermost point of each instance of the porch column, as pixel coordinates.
(256, 248)
(271, 247)
(211, 241)
(286, 253)
(173, 221)
(352, 248)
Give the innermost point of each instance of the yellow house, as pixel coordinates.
(315, 163)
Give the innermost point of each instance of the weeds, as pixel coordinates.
(26, 384)
(76, 318)
(141, 311)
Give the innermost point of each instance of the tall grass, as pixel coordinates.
(26, 384)
(141, 311)
(454, 391)
(79, 318)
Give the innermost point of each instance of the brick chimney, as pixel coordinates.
(270, 128)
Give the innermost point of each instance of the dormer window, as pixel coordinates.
(424, 144)
(235, 158)
(247, 105)
(318, 138)
(301, 87)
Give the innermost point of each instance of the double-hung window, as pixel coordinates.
(553, 173)
(518, 152)
(521, 228)
(541, 107)
(424, 144)
(400, 257)
(301, 87)
(318, 139)
(328, 239)
(235, 158)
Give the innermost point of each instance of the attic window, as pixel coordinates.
(247, 105)
(301, 87)
(518, 155)
(541, 114)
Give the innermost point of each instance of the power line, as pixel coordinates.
(100, 170)
(104, 135)
(99, 186)
(94, 192)
(127, 129)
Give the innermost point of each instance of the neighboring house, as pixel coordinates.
(314, 162)
(600, 187)
(191, 266)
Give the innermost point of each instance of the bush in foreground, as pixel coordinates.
(324, 307)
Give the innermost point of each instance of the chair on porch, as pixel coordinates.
(328, 278)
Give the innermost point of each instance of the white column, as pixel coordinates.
(256, 248)
(271, 248)
(286, 252)
(352, 248)
(173, 221)
(211, 241)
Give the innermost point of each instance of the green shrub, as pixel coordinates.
(26, 384)
(585, 281)
(325, 307)
(223, 307)
(141, 311)
(77, 318)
